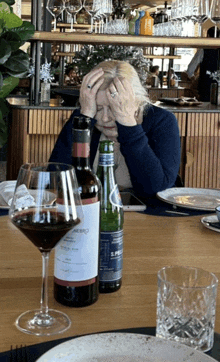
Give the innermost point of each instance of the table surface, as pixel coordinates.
(150, 242)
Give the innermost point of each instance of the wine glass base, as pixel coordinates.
(34, 322)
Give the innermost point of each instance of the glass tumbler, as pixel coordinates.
(186, 304)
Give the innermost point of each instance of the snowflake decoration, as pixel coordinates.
(45, 72)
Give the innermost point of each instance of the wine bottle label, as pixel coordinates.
(106, 159)
(76, 255)
(111, 256)
(115, 197)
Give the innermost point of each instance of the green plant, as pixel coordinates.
(14, 62)
(89, 56)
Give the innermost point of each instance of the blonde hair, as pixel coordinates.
(122, 69)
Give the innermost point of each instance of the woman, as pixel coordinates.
(147, 141)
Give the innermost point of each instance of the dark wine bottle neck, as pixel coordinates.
(81, 163)
(81, 148)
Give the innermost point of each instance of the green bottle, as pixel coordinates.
(132, 22)
(112, 218)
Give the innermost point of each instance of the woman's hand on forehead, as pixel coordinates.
(88, 92)
(122, 101)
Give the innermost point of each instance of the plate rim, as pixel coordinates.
(158, 194)
(205, 223)
(146, 337)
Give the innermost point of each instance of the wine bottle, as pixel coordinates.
(111, 239)
(77, 254)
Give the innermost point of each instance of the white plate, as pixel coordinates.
(122, 347)
(197, 199)
(206, 220)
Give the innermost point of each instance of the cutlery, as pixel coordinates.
(177, 212)
(19, 354)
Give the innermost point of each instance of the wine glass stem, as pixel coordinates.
(44, 287)
(91, 29)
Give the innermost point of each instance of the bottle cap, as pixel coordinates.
(81, 122)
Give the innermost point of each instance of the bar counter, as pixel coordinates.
(34, 130)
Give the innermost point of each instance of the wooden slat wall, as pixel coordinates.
(43, 129)
(203, 143)
(18, 143)
(33, 134)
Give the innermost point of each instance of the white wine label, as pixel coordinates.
(106, 159)
(111, 256)
(76, 255)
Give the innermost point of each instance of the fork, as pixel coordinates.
(19, 354)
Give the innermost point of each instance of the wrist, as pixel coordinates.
(129, 122)
(87, 113)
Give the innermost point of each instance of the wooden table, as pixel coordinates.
(150, 242)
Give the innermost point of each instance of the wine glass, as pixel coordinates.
(92, 9)
(200, 12)
(215, 13)
(45, 206)
(55, 8)
(72, 7)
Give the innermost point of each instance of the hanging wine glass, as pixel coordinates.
(72, 7)
(215, 13)
(55, 8)
(92, 7)
(46, 205)
(200, 12)
(108, 10)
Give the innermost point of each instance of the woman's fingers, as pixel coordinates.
(88, 91)
(91, 78)
(122, 101)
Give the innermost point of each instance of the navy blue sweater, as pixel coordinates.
(151, 150)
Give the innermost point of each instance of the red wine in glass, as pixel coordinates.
(47, 231)
(45, 207)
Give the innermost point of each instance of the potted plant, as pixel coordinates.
(14, 62)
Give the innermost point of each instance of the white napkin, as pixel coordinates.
(7, 189)
(23, 197)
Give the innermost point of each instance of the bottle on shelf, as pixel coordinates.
(137, 23)
(131, 25)
(77, 254)
(146, 24)
(111, 239)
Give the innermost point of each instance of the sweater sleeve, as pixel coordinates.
(151, 151)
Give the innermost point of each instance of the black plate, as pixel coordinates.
(70, 96)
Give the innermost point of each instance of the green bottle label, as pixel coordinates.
(106, 159)
(111, 256)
